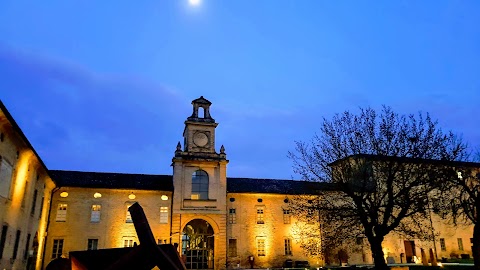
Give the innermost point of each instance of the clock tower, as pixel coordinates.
(199, 132)
(200, 184)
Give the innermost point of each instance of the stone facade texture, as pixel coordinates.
(25, 189)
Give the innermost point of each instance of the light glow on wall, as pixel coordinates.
(266, 232)
(64, 194)
(21, 176)
(97, 195)
(164, 197)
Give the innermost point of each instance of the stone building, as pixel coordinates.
(25, 195)
(215, 221)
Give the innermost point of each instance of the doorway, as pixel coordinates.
(409, 251)
(198, 245)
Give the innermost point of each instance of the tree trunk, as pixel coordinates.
(476, 246)
(377, 251)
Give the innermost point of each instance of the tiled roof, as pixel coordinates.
(165, 182)
(112, 180)
(252, 185)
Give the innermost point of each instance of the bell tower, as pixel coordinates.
(200, 184)
(199, 132)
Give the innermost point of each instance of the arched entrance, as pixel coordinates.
(197, 245)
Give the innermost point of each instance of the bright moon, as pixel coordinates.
(194, 2)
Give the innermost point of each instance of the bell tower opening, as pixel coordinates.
(201, 111)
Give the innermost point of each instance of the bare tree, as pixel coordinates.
(461, 202)
(383, 167)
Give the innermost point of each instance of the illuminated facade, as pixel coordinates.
(215, 221)
(25, 194)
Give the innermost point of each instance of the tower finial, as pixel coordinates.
(222, 150)
(179, 147)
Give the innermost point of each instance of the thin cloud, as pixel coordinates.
(63, 105)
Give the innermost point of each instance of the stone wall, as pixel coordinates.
(24, 198)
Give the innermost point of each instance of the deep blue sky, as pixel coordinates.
(106, 86)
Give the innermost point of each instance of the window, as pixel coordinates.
(261, 247)
(460, 243)
(25, 192)
(15, 247)
(34, 202)
(359, 240)
(260, 215)
(3, 239)
(61, 212)
(286, 216)
(164, 214)
(41, 205)
(442, 244)
(232, 216)
(288, 246)
(129, 242)
(92, 244)
(232, 247)
(310, 216)
(200, 185)
(57, 248)
(161, 242)
(5, 177)
(95, 214)
(27, 245)
(128, 218)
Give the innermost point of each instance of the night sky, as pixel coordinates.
(106, 85)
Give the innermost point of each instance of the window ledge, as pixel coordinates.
(189, 203)
(201, 200)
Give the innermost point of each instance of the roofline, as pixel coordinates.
(412, 160)
(147, 174)
(110, 188)
(60, 184)
(17, 128)
(266, 179)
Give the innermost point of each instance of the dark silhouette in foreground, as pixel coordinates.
(147, 255)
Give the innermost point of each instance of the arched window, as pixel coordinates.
(200, 185)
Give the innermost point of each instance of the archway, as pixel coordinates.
(198, 245)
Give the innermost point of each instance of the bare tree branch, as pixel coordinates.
(383, 166)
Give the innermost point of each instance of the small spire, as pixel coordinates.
(222, 150)
(179, 147)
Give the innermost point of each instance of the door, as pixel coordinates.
(198, 245)
(409, 251)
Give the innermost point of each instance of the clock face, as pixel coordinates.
(200, 139)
